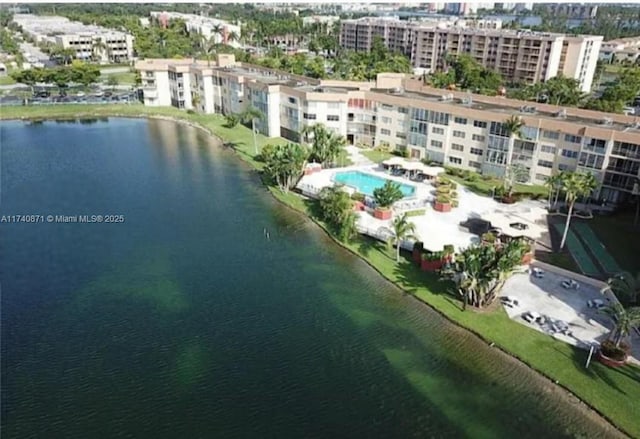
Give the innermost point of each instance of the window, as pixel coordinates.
(385, 120)
(460, 134)
(292, 100)
(436, 130)
(436, 144)
(460, 120)
(403, 110)
(439, 118)
(545, 163)
(309, 116)
(401, 135)
(551, 135)
(498, 129)
(541, 177)
(475, 151)
(563, 167)
(572, 139)
(387, 107)
(479, 124)
(550, 149)
(385, 132)
(477, 138)
(457, 147)
(476, 165)
(570, 154)
(332, 118)
(455, 160)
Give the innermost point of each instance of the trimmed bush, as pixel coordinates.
(357, 196)
(443, 190)
(418, 212)
(443, 199)
(454, 203)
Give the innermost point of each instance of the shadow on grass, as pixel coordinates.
(600, 371)
(367, 245)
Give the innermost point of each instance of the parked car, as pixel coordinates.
(570, 284)
(509, 301)
(537, 272)
(595, 303)
(531, 316)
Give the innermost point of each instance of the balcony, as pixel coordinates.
(150, 93)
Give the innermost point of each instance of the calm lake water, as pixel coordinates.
(186, 322)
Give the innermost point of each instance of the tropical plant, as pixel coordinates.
(97, 48)
(624, 320)
(249, 116)
(625, 286)
(388, 194)
(336, 208)
(515, 173)
(513, 126)
(196, 100)
(231, 120)
(554, 185)
(479, 272)
(284, 164)
(575, 185)
(325, 144)
(403, 229)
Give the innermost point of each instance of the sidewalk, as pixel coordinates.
(356, 157)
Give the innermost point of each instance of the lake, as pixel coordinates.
(186, 321)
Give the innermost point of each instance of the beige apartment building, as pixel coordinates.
(87, 41)
(519, 56)
(455, 129)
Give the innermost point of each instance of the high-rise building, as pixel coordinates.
(518, 55)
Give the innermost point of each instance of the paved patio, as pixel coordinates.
(547, 297)
(435, 229)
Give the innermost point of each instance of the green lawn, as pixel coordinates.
(124, 78)
(621, 239)
(483, 186)
(613, 392)
(376, 156)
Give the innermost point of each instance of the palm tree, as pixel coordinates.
(623, 320)
(325, 144)
(97, 48)
(207, 48)
(514, 174)
(554, 184)
(233, 36)
(513, 127)
(217, 29)
(575, 185)
(250, 115)
(625, 286)
(402, 229)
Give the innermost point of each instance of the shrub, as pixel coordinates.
(486, 177)
(472, 177)
(231, 120)
(453, 194)
(448, 249)
(387, 194)
(357, 196)
(442, 190)
(489, 237)
(190, 111)
(443, 199)
(453, 185)
(433, 256)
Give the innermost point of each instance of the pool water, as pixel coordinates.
(367, 183)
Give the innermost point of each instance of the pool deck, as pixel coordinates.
(434, 229)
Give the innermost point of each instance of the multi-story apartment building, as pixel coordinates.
(519, 56)
(87, 41)
(621, 50)
(222, 32)
(456, 129)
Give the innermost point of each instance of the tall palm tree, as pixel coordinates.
(554, 184)
(207, 48)
(217, 29)
(250, 115)
(514, 174)
(402, 229)
(623, 319)
(575, 185)
(513, 127)
(233, 36)
(626, 286)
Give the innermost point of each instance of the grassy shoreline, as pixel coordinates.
(611, 393)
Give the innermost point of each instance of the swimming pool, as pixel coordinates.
(367, 183)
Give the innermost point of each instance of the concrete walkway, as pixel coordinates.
(356, 156)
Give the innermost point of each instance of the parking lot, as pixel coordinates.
(106, 97)
(564, 312)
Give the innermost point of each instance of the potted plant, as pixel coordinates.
(614, 351)
(442, 203)
(432, 261)
(358, 201)
(384, 197)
